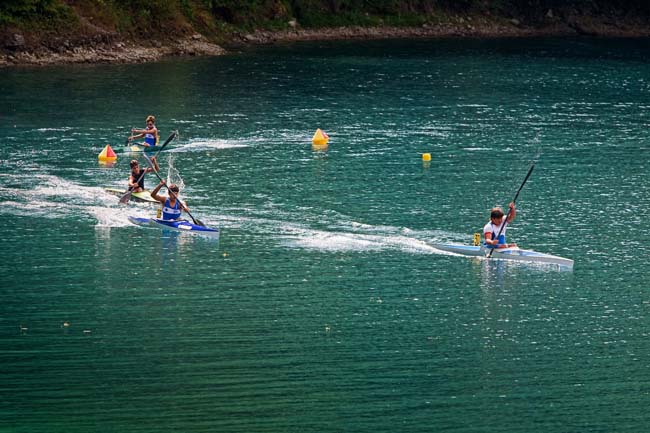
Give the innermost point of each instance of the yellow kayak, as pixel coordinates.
(142, 196)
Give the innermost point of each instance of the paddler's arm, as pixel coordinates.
(137, 133)
(185, 208)
(155, 165)
(154, 193)
(489, 240)
(132, 182)
(513, 212)
(142, 132)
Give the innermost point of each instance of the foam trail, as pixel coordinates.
(110, 217)
(374, 239)
(211, 144)
(55, 198)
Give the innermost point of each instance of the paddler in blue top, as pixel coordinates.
(172, 206)
(150, 133)
(493, 227)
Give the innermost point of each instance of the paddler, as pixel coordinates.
(136, 178)
(150, 133)
(492, 229)
(172, 205)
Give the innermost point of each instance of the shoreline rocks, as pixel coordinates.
(108, 48)
(99, 52)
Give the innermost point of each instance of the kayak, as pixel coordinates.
(176, 225)
(506, 254)
(142, 196)
(147, 149)
(142, 148)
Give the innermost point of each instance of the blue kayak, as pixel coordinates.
(176, 225)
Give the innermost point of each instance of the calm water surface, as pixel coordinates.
(323, 306)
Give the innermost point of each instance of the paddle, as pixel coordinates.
(509, 210)
(127, 195)
(197, 222)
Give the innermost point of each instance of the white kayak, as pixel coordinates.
(176, 225)
(505, 254)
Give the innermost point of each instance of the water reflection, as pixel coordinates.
(492, 272)
(156, 250)
(319, 149)
(174, 245)
(496, 273)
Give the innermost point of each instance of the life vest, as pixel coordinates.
(139, 177)
(171, 213)
(150, 139)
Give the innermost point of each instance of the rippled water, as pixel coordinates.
(323, 306)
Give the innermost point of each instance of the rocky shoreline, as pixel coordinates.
(111, 49)
(110, 52)
(481, 27)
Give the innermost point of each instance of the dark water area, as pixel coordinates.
(323, 306)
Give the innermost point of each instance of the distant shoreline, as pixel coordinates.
(116, 52)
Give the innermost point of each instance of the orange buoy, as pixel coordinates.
(107, 154)
(320, 138)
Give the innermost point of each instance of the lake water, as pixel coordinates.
(323, 306)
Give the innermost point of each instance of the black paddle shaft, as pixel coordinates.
(503, 226)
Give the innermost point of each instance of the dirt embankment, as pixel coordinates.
(103, 50)
(95, 45)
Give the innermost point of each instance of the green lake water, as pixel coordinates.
(323, 306)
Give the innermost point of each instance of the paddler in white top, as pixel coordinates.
(493, 227)
(172, 205)
(150, 133)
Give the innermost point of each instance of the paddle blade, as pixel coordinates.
(126, 197)
(198, 222)
(170, 138)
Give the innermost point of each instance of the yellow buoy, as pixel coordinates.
(320, 138)
(107, 154)
(426, 157)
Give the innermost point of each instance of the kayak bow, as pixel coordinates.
(175, 225)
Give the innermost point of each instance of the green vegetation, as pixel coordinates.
(40, 13)
(217, 19)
